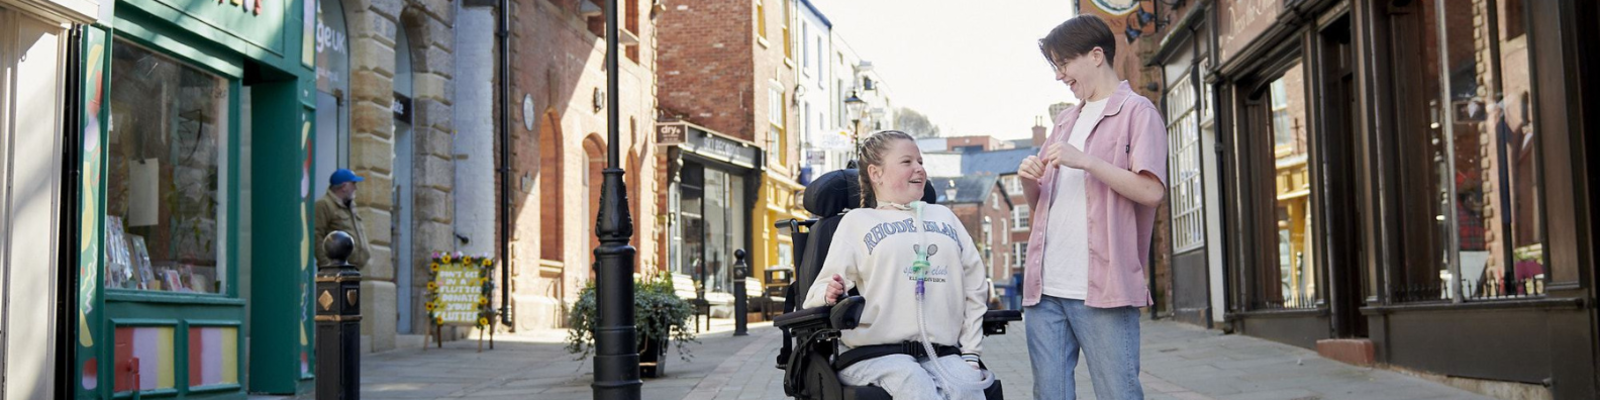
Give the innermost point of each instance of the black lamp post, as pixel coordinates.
(854, 105)
(616, 360)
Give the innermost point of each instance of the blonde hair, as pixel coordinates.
(871, 153)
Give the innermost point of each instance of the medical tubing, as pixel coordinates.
(920, 270)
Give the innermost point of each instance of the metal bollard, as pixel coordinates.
(338, 319)
(741, 308)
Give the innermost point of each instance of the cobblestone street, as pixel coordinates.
(1179, 361)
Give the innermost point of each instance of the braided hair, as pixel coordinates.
(871, 153)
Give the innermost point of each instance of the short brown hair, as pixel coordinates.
(1076, 37)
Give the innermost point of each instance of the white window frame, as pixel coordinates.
(1013, 184)
(1187, 199)
(1021, 249)
(1020, 217)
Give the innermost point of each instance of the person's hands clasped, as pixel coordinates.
(1066, 155)
(835, 289)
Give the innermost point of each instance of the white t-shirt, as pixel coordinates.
(1066, 258)
(873, 250)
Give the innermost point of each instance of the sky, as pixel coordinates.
(973, 67)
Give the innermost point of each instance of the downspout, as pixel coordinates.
(70, 230)
(503, 38)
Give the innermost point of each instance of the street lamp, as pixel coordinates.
(616, 361)
(854, 105)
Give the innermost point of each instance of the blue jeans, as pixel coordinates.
(1057, 328)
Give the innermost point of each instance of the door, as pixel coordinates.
(1339, 170)
(30, 163)
(403, 188)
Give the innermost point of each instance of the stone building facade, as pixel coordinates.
(400, 56)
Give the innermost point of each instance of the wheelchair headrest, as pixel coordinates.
(833, 192)
(840, 190)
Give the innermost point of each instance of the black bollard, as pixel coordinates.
(741, 269)
(338, 304)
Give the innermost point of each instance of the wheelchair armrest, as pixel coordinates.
(995, 321)
(845, 314)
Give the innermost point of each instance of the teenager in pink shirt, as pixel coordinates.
(1094, 188)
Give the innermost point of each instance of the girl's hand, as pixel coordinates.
(835, 290)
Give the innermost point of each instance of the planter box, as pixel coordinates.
(653, 359)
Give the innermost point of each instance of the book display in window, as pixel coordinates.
(118, 266)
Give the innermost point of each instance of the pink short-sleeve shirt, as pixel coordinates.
(1131, 136)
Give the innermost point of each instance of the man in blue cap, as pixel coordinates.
(336, 211)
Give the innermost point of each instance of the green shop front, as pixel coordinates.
(197, 127)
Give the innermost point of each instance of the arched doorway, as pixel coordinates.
(550, 188)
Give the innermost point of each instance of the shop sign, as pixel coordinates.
(670, 134)
(1241, 21)
(402, 108)
(332, 58)
(716, 146)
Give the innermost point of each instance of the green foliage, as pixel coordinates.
(658, 312)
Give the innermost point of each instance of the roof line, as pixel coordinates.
(814, 10)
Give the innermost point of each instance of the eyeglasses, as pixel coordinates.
(1061, 65)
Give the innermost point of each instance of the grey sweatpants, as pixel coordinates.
(904, 378)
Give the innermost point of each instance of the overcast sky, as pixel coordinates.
(972, 66)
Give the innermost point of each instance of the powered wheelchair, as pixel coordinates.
(811, 336)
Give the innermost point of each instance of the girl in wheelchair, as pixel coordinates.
(921, 276)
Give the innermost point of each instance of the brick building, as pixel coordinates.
(557, 72)
(984, 209)
(728, 71)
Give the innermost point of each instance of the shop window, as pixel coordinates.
(1290, 278)
(1471, 188)
(1188, 214)
(168, 136)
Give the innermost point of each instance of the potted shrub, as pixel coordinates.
(660, 317)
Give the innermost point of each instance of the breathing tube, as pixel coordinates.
(919, 270)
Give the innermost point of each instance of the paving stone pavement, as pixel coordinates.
(1179, 362)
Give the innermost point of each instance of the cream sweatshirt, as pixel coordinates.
(873, 250)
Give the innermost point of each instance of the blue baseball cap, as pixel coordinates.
(343, 175)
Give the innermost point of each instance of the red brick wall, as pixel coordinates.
(559, 63)
(971, 216)
(706, 70)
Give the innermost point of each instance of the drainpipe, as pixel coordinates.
(503, 37)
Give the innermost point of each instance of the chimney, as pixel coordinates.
(1038, 131)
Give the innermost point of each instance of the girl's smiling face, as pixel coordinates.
(901, 177)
